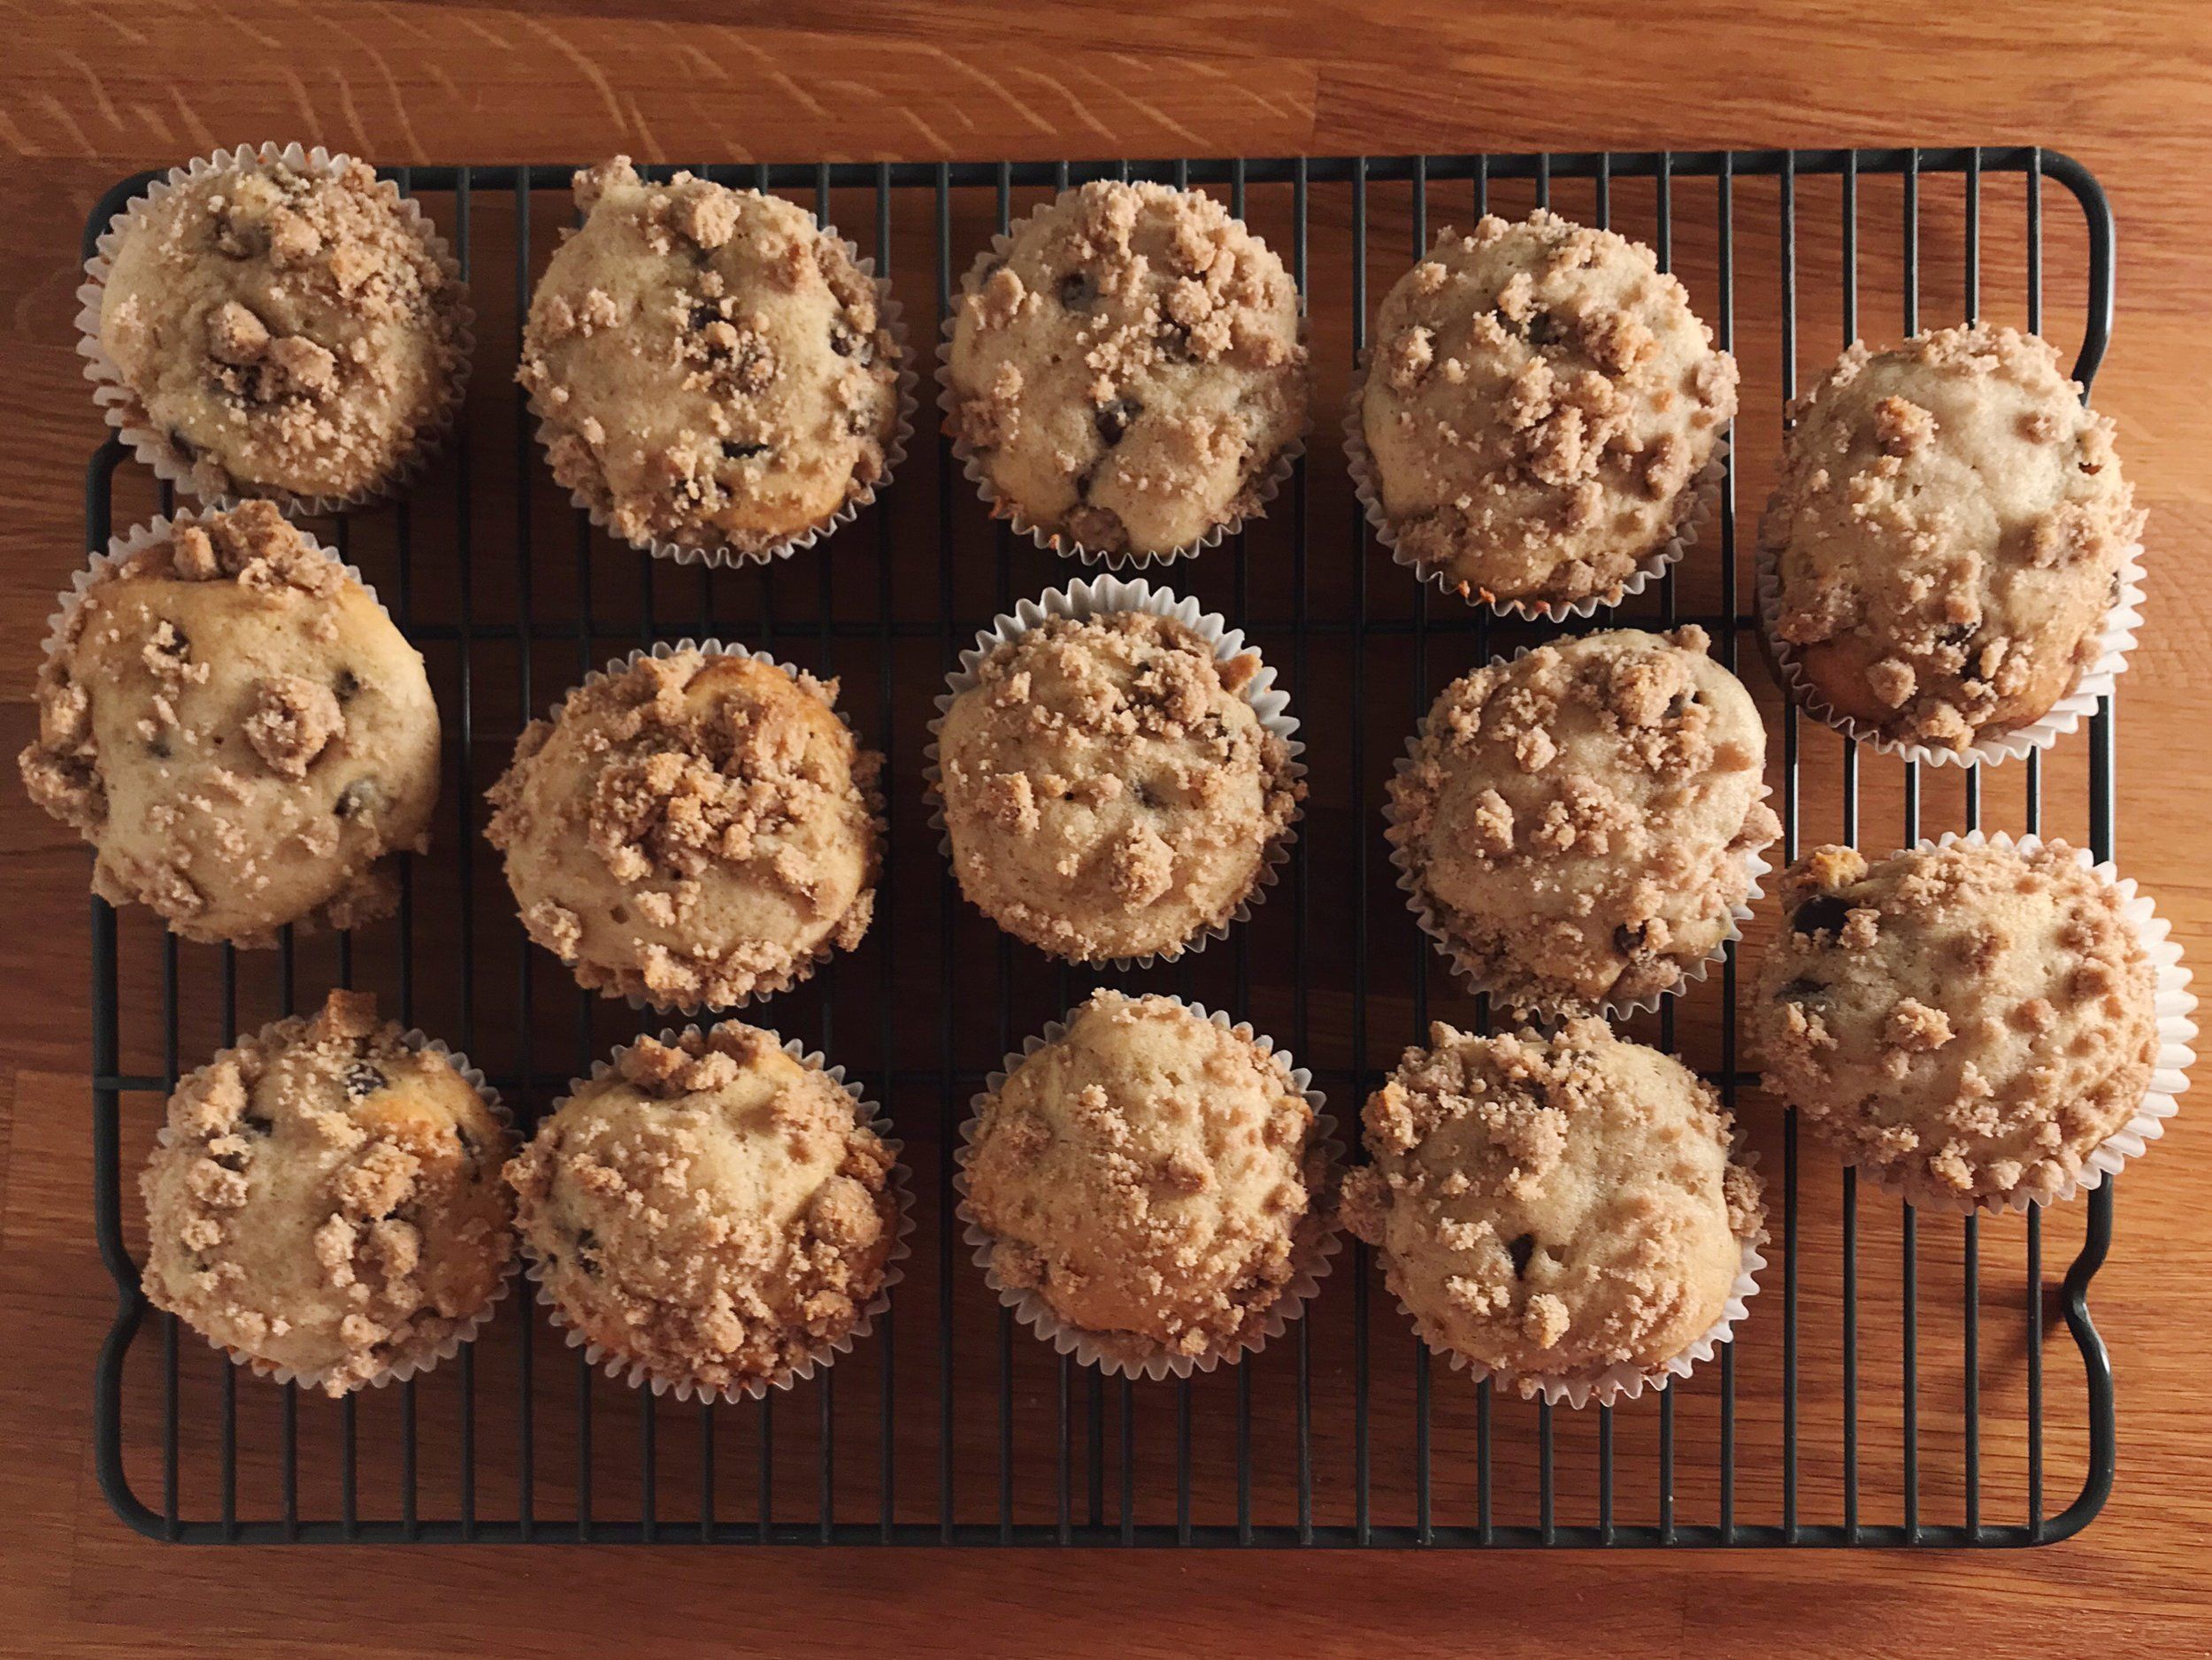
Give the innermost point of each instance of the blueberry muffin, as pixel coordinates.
(1154, 1178)
(712, 369)
(1947, 535)
(711, 1211)
(697, 829)
(1552, 1208)
(1965, 1023)
(326, 1200)
(236, 726)
(1539, 406)
(1109, 790)
(1577, 824)
(287, 332)
(1128, 372)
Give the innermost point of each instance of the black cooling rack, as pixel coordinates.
(1892, 1386)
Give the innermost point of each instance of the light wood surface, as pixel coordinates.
(90, 92)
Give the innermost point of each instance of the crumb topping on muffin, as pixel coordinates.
(1948, 529)
(711, 1210)
(1551, 1208)
(327, 1202)
(1109, 790)
(1129, 372)
(236, 726)
(712, 369)
(290, 331)
(1967, 1021)
(1539, 405)
(694, 830)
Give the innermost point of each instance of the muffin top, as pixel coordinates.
(236, 726)
(1153, 1176)
(696, 829)
(1108, 791)
(712, 1209)
(1575, 820)
(712, 368)
(1129, 372)
(1947, 529)
(1552, 1208)
(290, 332)
(1966, 1023)
(328, 1201)
(1540, 401)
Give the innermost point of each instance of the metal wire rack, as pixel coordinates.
(1892, 1385)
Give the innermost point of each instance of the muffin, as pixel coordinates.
(1109, 790)
(1150, 1180)
(1125, 372)
(694, 829)
(279, 329)
(234, 722)
(1945, 537)
(1562, 1211)
(1578, 825)
(711, 370)
(712, 1212)
(1964, 1023)
(1538, 409)
(325, 1202)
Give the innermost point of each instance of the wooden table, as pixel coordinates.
(91, 92)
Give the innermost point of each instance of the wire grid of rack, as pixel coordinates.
(969, 1431)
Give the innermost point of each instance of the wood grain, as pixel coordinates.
(87, 92)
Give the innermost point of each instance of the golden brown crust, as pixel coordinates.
(1948, 529)
(1539, 406)
(713, 370)
(1108, 791)
(1576, 821)
(1153, 1176)
(239, 730)
(695, 830)
(290, 334)
(1553, 1207)
(1967, 1022)
(712, 1209)
(327, 1202)
(1130, 371)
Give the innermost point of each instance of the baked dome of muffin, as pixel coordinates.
(237, 727)
(1541, 402)
(1109, 790)
(1154, 1177)
(1128, 372)
(694, 829)
(1552, 1208)
(712, 1210)
(712, 369)
(1965, 1022)
(287, 332)
(1946, 535)
(326, 1202)
(1577, 822)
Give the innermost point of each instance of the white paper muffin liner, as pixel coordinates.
(2114, 640)
(892, 315)
(636, 1373)
(1694, 507)
(427, 1356)
(2174, 1004)
(800, 972)
(120, 406)
(1100, 597)
(1471, 970)
(1120, 1357)
(1263, 490)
